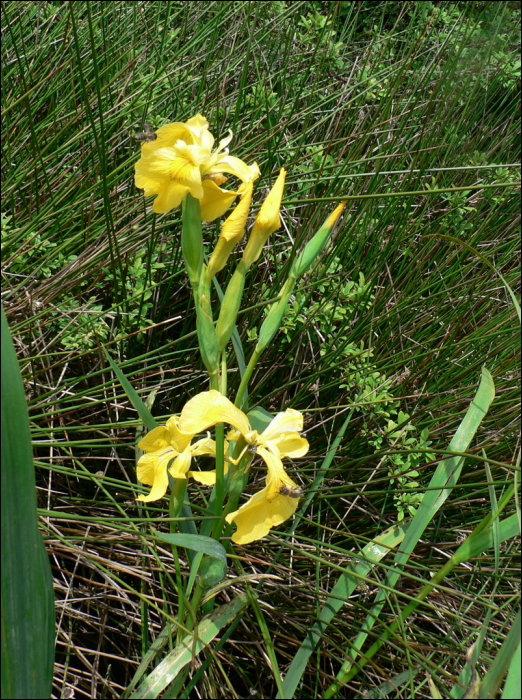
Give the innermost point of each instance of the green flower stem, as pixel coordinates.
(246, 377)
(274, 318)
(220, 524)
(207, 338)
(223, 388)
(220, 475)
(177, 497)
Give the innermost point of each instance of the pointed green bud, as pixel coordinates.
(272, 322)
(314, 246)
(207, 337)
(192, 239)
(230, 306)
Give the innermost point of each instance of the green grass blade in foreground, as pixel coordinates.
(373, 552)
(503, 661)
(512, 687)
(444, 479)
(178, 658)
(27, 586)
(138, 404)
(392, 685)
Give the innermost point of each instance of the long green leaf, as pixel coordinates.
(513, 681)
(502, 663)
(178, 658)
(133, 397)
(27, 585)
(205, 545)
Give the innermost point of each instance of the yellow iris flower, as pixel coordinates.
(181, 161)
(279, 499)
(167, 443)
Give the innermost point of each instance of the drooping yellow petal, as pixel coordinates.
(147, 179)
(267, 221)
(206, 478)
(269, 507)
(209, 408)
(156, 439)
(276, 471)
(232, 232)
(215, 201)
(152, 470)
(260, 514)
(169, 197)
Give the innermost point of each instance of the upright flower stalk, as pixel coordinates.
(183, 167)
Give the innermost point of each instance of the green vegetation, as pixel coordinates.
(411, 112)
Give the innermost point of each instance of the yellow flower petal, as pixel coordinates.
(198, 125)
(289, 421)
(209, 408)
(169, 134)
(235, 166)
(215, 201)
(282, 435)
(255, 518)
(276, 471)
(175, 163)
(205, 446)
(169, 197)
(269, 507)
(224, 142)
(152, 470)
(156, 439)
(205, 478)
(288, 445)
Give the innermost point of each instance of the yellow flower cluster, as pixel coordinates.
(172, 444)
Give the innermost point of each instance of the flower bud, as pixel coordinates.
(267, 221)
